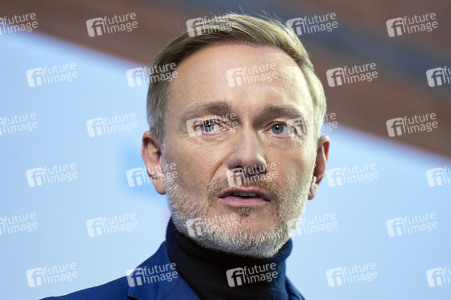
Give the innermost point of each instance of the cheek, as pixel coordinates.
(296, 170)
(186, 169)
(193, 168)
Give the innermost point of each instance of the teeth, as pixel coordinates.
(244, 194)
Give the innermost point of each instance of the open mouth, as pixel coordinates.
(244, 195)
(248, 196)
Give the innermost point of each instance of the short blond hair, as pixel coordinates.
(240, 29)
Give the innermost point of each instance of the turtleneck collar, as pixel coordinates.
(219, 275)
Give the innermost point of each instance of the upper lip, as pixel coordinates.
(260, 193)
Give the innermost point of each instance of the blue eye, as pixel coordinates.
(279, 128)
(209, 126)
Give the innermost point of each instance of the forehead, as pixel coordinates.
(210, 74)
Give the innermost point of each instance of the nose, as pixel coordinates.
(247, 152)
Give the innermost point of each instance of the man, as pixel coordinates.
(239, 121)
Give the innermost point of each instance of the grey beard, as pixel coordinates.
(239, 240)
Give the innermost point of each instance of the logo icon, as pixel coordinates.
(95, 227)
(395, 27)
(136, 77)
(335, 77)
(135, 277)
(235, 277)
(435, 77)
(335, 277)
(235, 77)
(435, 277)
(296, 25)
(191, 131)
(193, 27)
(35, 177)
(35, 277)
(195, 227)
(335, 177)
(235, 177)
(136, 177)
(94, 26)
(294, 125)
(395, 127)
(95, 127)
(436, 177)
(395, 227)
(35, 77)
(293, 228)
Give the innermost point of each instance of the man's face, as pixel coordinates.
(244, 151)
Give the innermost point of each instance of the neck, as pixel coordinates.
(212, 274)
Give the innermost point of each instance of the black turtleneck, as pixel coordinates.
(205, 270)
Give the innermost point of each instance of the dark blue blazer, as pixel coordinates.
(176, 289)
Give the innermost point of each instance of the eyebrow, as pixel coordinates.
(218, 108)
(274, 111)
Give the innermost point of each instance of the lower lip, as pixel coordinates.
(244, 202)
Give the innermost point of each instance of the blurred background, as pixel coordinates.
(395, 215)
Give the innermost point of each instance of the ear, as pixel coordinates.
(322, 155)
(152, 156)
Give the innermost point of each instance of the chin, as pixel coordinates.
(253, 239)
(254, 226)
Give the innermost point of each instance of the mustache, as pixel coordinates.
(269, 186)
